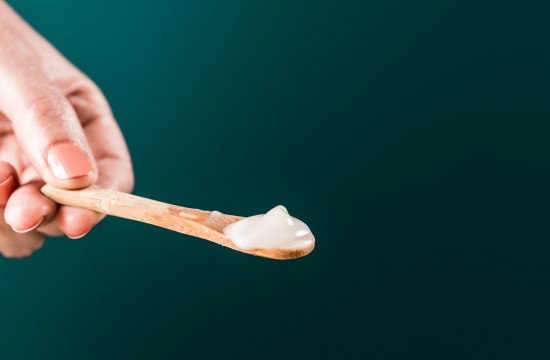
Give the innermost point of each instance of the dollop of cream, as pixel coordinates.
(274, 230)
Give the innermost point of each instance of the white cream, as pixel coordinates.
(276, 229)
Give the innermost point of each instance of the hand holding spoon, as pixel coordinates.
(275, 235)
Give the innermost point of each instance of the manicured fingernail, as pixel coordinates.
(8, 183)
(68, 161)
(6, 188)
(31, 228)
(80, 236)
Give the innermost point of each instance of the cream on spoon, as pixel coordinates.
(274, 230)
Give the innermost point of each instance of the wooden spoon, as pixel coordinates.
(203, 224)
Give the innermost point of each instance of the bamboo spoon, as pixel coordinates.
(203, 224)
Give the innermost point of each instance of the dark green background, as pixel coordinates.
(412, 137)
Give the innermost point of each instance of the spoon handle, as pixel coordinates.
(107, 201)
(204, 224)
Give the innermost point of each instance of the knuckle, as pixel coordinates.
(51, 104)
(45, 105)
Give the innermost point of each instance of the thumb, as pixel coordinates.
(45, 124)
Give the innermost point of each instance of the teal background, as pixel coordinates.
(412, 137)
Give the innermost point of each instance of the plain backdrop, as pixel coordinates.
(412, 137)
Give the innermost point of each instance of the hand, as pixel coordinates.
(55, 127)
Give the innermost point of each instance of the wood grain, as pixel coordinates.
(202, 224)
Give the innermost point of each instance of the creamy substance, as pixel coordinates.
(276, 229)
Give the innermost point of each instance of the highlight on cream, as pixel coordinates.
(273, 230)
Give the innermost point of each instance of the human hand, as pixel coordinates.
(55, 127)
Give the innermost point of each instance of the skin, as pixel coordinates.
(44, 99)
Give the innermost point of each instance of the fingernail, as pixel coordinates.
(6, 189)
(9, 182)
(31, 228)
(80, 236)
(7, 185)
(68, 161)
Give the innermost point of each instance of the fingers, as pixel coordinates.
(75, 222)
(27, 208)
(65, 127)
(104, 137)
(12, 243)
(44, 122)
(8, 182)
(111, 154)
(15, 245)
